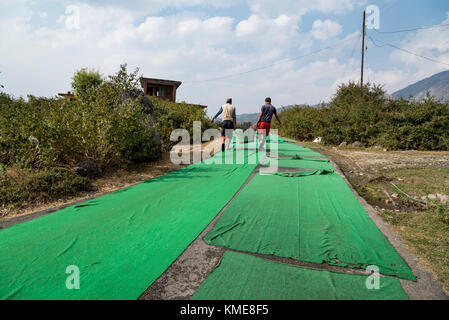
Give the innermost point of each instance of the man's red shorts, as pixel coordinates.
(264, 127)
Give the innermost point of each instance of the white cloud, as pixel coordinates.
(42, 15)
(432, 43)
(264, 7)
(301, 7)
(282, 21)
(249, 26)
(192, 46)
(152, 29)
(189, 26)
(218, 24)
(324, 30)
(184, 46)
(265, 34)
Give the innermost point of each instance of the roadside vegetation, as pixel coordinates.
(171, 116)
(366, 115)
(110, 125)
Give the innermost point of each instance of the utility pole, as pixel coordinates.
(363, 47)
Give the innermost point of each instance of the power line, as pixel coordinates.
(412, 29)
(352, 54)
(272, 64)
(404, 50)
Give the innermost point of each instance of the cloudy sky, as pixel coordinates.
(296, 51)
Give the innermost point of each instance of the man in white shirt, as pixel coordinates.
(229, 123)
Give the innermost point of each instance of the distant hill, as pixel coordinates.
(437, 85)
(252, 117)
(247, 117)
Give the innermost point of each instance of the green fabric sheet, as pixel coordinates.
(302, 173)
(303, 153)
(236, 156)
(121, 242)
(302, 163)
(313, 218)
(273, 137)
(289, 149)
(244, 277)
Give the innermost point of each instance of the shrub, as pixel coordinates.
(367, 115)
(99, 126)
(42, 186)
(84, 80)
(171, 115)
(108, 123)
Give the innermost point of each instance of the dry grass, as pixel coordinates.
(427, 237)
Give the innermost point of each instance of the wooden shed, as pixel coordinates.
(69, 95)
(165, 89)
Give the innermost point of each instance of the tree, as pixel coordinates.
(86, 79)
(125, 81)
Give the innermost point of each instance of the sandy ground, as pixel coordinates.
(395, 160)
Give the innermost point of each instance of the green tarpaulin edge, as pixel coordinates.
(244, 277)
(302, 153)
(301, 173)
(297, 157)
(299, 164)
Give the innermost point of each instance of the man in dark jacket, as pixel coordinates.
(264, 122)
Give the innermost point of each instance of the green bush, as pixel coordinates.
(442, 212)
(171, 115)
(108, 123)
(41, 186)
(85, 80)
(100, 126)
(367, 115)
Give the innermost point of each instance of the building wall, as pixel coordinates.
(165, 92)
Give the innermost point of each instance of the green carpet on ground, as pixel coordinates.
(121, 242)
(302, 173)
(302, 163)
(236, 156)
(272, 137)
(243, 277)
(289, 149)
(301, 153)
(284, 149)
(309, 218)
